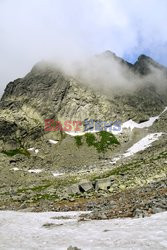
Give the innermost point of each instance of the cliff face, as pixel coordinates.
(47, 92)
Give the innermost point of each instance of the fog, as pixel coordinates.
(110, 74)
(67, 31)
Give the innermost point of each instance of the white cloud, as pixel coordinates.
(34, 30)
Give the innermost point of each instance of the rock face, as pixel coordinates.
(47, 92)
(144, 63)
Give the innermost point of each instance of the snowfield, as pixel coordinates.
(26, 231)
(131, 124)
(141, 145)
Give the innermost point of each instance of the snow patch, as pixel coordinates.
(15, 169)
(139, 146)
(36, 171)
(81, 133)
(126, 125)
(53, 142)
(131, 124)
(143, 233)
(33, 150)
(76, 133)
(57, 174)
(142, 144)
(164, 111)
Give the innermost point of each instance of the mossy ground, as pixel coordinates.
(16, 151)
(101, 141)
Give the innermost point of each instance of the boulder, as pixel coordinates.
(86, 186)
(73, 248)
(74, 189)
(103, 184)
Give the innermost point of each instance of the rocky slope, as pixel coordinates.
(49, 170)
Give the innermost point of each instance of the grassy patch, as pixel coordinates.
(90, 139)
(16, 151)
(56, 184)
(78, 140)
(162, 155)
(117, 171)
(102, 141)
(105, 142)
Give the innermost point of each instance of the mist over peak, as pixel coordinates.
(108, 73)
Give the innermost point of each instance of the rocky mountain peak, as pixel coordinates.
(144, 64)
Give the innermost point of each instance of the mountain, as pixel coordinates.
(47, 92)
(43, 167)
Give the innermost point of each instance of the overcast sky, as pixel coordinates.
(34, 30)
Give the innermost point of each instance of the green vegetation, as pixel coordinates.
(162, 155)
(90, 139)
(122, 170)
(46, 183)
(16, 151)
(106, 140)
(102, 141)
(78, 140)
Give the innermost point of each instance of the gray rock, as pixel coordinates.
(140, 213)
(73, 248)
(51, 225)
(74, 189)
(23, 206)
(86, 186)
(103, 184)
(23, 197)
(158, 210)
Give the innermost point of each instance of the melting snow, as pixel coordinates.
(75, 133)
(142, 144)
(53, 142)
(57, 174)
(131, 124)
(36, 171)
(164, 111)
(139, 146)
(26, 231)
(80, 133)
(15, 169)
(33, 150)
